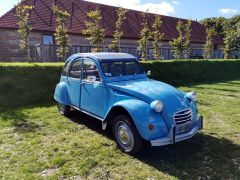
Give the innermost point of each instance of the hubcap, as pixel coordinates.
(124, 135)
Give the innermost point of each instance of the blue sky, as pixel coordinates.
(194, 9)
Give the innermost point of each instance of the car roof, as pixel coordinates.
(107, 56)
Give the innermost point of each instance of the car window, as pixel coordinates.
(90, 70)
(65, 68)
(121, 68)
(75, 71)
(132, 68)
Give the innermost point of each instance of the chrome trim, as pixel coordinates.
(171, 138)
(188, 116)
(85, 112)
(183, 116)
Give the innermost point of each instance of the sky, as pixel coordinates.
(193, 9)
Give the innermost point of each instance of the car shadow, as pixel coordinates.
(202, 157)
(90, 122)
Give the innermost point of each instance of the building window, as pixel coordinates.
(48, 39)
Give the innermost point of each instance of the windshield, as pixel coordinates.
(121, 68)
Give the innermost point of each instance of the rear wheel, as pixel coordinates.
(64, 109)
(126, 135)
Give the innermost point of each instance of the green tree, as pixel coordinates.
(229, 44)
(231, 41)
(188, 31)
(216, 23)
(228, 30)
(157, 37)
(208, 47)
(115, 45)
(61, 36)
(24, 27)
(145, 35)
(181, 45)
(94, 30)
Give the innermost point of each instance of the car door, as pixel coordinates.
(93, 91)
(74, 82)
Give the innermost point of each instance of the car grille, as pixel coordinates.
(183, 116)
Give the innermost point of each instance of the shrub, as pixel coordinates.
(24, 84)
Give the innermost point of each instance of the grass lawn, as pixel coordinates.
(37, 142)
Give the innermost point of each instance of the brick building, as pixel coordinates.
(43, 22)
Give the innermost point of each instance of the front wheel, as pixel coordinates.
(63, 109)
(126, 135)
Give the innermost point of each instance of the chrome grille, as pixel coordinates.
(183, 116)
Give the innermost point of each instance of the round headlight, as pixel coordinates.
(157, 106)
(192, 96)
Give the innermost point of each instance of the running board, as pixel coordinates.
(104, 124)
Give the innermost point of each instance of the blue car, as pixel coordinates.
(113, 88)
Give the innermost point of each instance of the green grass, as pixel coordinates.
(37, 142)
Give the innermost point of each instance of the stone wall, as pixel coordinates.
(9, 45)
(9, 40)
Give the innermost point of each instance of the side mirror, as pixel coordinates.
(149, 73)
(91, 78)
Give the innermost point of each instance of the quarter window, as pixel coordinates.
(65, 69)
(90, 71)
(75, 71)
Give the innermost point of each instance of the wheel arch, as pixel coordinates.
(141, 116)
(61, 93)
(115, 111)
(128, 107)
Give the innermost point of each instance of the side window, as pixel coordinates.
(75, 71)
(65, 69)
(90, 71)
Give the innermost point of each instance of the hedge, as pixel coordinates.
(24, 84)
(187, 72)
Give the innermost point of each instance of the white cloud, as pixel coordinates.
(228, 11)
(2, 11)
(175, 2)
(162, 7)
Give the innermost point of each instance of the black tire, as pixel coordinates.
(126, 135)
(64, 109)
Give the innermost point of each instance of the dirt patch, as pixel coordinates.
(49, 172)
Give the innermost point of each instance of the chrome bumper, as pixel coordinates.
(173, 138)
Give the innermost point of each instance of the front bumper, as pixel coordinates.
(173, 138)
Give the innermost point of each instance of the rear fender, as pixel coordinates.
(61, 93)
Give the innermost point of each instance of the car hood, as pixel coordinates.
(148, 90)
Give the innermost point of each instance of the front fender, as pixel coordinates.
(61, 93)
(142, 116)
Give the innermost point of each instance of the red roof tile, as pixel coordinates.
(42, 19)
